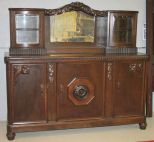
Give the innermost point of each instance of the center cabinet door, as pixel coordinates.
(80, 90)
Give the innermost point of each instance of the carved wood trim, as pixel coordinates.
(76, 6)
(51, 72)
(136, 67)
(81, 91)
(109, 71)
(20, 69)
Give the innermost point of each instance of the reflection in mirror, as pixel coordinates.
(72, 26)
(101, 31)
(122, 29)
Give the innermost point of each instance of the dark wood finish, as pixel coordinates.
(26, 11)
(121, 32)
(150, 52)
(143, 125)
(67, 109)
(73, 85)
(28, 93)
(40, 96)
(129, 74)
(103, 37)
(76, 6)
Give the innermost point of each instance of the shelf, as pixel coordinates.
(27, 29)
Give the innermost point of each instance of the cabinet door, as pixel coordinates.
(79, 90)
(26, 27)
(28, 93)
(122, 29)
(129, 89)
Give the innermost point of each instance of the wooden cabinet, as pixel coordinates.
(27, 28)
(129, 86)
(122, 29)
(150, 51)
(80, 91)
(37, 28)
(58, 79)
(125, 86)
(27, 93)
(53, 93)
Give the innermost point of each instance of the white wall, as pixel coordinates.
(137, 5)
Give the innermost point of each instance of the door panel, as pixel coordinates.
(80, 90)
(128, 96)
(29, 92)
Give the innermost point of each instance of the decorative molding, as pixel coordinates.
(136, 67)
(20, 69)
(51, 72)
(81, 91)
(109, 71)
(76, 6)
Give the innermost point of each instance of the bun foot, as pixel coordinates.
(10, 136)
(143, 125)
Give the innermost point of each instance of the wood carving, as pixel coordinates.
(21, 69)
(136, 67)
(81, 91)
(109, 71)
(76, 6)
(51, 73)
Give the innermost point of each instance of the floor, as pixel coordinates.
(125, 133)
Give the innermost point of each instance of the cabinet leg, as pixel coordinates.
(10, 135)
(143, 125)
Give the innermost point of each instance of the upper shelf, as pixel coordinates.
(73, 28)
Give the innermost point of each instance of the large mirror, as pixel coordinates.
(72, 26)
(75, 28)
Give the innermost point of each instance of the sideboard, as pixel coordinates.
(75, 91)
(74, 67)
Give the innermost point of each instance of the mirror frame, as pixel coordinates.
(72, 47)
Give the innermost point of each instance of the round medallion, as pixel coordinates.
(80, 92)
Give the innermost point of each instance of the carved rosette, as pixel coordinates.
(80, 91)
(109, 71)
(136, 67)
(76, 6)
(51, 73)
